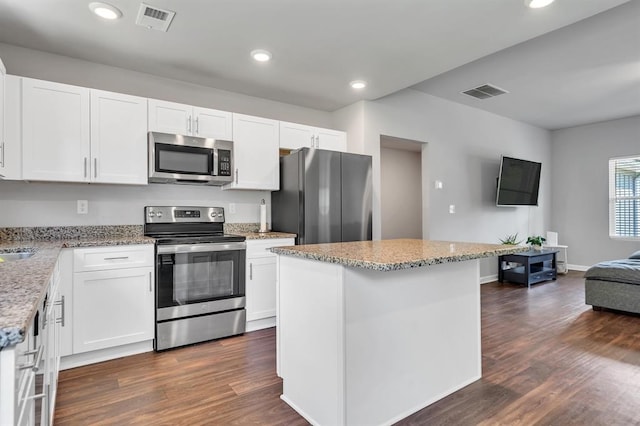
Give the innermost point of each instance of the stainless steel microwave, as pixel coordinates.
(189, 159)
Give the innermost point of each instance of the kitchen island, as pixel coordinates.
(370, 332)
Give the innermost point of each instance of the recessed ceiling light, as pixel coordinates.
(358, 84)
(105, 10)
(536, 4)
(261, 55)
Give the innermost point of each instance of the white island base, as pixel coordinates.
(364, 347)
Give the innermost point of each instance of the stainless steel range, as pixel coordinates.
(200, 275)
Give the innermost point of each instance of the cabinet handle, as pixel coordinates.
(150, 281)
(312, 141)
(36, 361)
(2, 154)
(236, 175)
(116, 258)
(189, 124)
(85, 166)
(61, 304)
(251, 271)
(317, 141)
(197, 125)
(95, 167)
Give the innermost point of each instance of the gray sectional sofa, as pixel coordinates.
(614, 284)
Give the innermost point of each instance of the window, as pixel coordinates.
(624, 197)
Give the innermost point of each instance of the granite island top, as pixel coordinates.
(390, 255)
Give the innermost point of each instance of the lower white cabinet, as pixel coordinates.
(261, 282)
(115, 305)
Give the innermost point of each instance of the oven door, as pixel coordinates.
(195, 279)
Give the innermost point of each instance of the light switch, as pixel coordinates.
(437, 184)
(452, 208)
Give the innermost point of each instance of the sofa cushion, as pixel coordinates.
(622, 271)
(635, 255)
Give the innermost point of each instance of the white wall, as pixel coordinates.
(580, 192)
(464, 149)
(40, 204)
(401, 193)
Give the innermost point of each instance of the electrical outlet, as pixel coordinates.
(452, 208)
(232, 208)
(83, 206)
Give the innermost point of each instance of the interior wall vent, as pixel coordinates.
(154, 18)
(485, 91)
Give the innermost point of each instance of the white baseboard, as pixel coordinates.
(488, 279)
(260, 324)
(86, 358)
(581, 268)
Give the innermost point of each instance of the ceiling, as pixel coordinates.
(319, 46)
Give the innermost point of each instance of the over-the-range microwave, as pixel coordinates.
(189, 159)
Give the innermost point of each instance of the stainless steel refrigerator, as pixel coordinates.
(324, 196)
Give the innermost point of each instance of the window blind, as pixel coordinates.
(624, 197)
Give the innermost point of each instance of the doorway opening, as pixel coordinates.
(401, 187)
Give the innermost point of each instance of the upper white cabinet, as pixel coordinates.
(75, 134)
(171, 117)
(11, 149)
(55, 131)
(256, 155)
(296, 136)
(118, 138)
(3, 73)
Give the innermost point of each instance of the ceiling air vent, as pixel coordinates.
(485, 91)
(154, 18)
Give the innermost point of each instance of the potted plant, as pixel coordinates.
(536, 242)
(511, 240)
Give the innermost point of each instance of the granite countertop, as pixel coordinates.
(265, 235)
(390, 255)
(23, 283)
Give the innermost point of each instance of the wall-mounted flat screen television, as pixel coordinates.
(518, 183)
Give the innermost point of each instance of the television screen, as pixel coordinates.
(518, 183)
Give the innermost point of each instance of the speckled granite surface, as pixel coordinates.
(23, 283)
(390, 255)
(250, 231)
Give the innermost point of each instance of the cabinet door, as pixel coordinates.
(2, 119)
(211, 123)
(170, 117)
(261, 287)
(10, 150)
(112, 308)
(118, 138)
(256, 153)
(333, 140)
(65, 261)
(55, 131)
(296, 136)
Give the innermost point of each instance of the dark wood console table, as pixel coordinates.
(532, 267)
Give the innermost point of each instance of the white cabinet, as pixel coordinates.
(75, 134)
(118, 138)
(113, 297)
(171, 117)
(3, 73)
(11, 149)
(261, 279)
(296, 136)
(55, 131)
(256, 154)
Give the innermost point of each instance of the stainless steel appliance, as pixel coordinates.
(189, 159)
(324, 197)
(200, 275)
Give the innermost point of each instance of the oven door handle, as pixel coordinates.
(200, 248)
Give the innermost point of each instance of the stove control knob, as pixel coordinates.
(159, 214)
(219, 214)
(213, 214)
(151, 214)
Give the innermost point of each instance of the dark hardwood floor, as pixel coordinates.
(548, 359)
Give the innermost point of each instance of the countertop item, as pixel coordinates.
(390, 255)
(23, 283)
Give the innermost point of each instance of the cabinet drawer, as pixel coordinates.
(260, 248)
(115, 257)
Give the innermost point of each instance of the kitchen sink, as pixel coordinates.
(9, 257)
